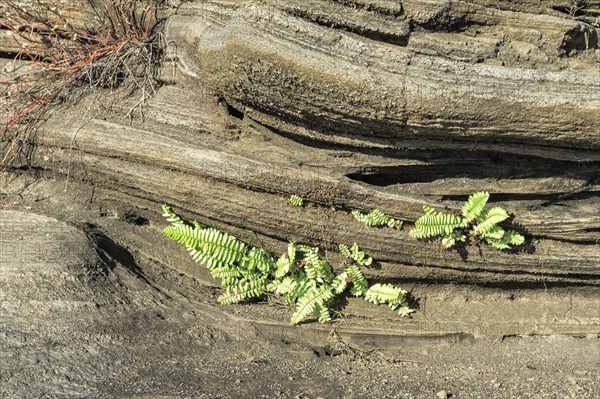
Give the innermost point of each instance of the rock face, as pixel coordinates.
(351, 104)
(362, 105)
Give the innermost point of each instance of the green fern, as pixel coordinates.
(359, 282)
(505, 239)
(283, 286)
(172, 217)
(300, 278)
(355, 254)
(435, 224)
(483, 223)
(449, 240)
(339, 283)
(296, 200)
(313, 299)
(286, 262)
(474, 205)
(377, 219)
(393, 296)
(215, 248)
(321, 313)
(247, 289)
(489, 219)
(258, 260)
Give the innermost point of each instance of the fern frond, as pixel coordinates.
(321, 313)
(377, 219)
(429, 210)
(495, 233)
(387, 293)
(284, 286)
(171, 216)
(324, 272)
(339, 283)
(216, 248)
(513, 237)
(384, 293)
(310, 301)
(183, 234)
(404, 309)
(226, 272)
(473, 207)
(311, 255)
(359, 282)
(506, 241)
(296, 200)
(302, 287)
(283, 266)
(450, 240)
(286, 264)
(231, 283)
(258, 260)
(355, 254)
(438, 224)
(489, 219)
(252, 288)
(344, 250)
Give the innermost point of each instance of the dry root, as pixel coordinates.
(122, 47)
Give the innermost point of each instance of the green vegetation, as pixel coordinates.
(377, 219)
(478, 219)
(296, 200)
(300, 278)
(355, 254)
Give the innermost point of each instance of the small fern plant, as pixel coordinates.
(477, 219)
(300, 278)
(377, 218)
(355, 254)
(296, 200)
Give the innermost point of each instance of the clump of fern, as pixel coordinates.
(377, 218)
(477, 219)
(300, 278)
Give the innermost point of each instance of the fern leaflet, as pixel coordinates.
(475, 205)
(172, 217)
(387, 293)
(296, 200)
(359, 282)
(339, 283)
(252, 288)
(489, 219)
(355, 254)
(377, 219)
(308, 303)
(438, 224)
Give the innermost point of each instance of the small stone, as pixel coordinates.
(497, 385)
(442, 394)
(238, 381)
(291, 378)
